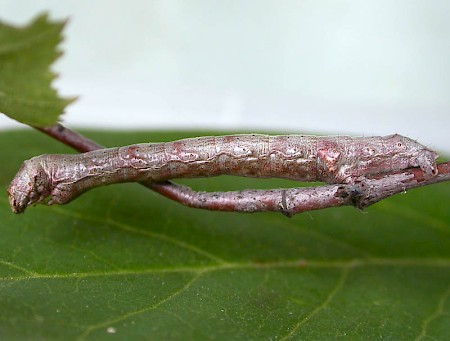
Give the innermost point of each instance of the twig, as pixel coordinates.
(297, 200)
(362, 193)
(70, 138)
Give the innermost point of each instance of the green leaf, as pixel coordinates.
(121, 261)
(26, 54)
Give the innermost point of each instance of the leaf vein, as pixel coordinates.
(134, 230)
(325, 303)
(299, 263)
(439, 311)
(29, 41)
(14, 266)
(154, 306)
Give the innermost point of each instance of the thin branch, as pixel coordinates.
(70, 138)
(364, 192)
(297, 200)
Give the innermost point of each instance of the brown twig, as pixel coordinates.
(70, 138)
(364, 192)
(297, 200)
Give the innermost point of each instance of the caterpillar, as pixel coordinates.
(59, 178)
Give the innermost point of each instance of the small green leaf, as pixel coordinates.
(124, 262)
(26, 54)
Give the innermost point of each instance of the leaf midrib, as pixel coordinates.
(287, 264)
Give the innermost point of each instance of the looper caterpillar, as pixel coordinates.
(340, 159)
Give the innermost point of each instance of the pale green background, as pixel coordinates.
(358, 67)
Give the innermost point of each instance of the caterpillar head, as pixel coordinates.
(29, 186)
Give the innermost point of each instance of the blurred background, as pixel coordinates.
(371, 67)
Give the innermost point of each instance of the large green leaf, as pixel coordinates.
(25, 57)
(121, 261)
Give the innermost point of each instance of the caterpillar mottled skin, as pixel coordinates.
(339, 159)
